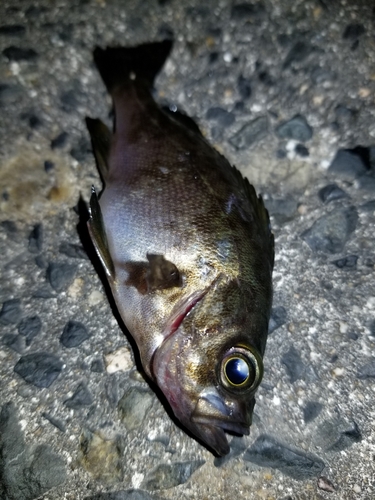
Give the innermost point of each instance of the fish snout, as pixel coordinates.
(214, 414)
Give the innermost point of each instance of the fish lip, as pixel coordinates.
(213, 412)
(225, 425)
(215, 438)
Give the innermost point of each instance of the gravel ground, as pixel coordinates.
(285, 89)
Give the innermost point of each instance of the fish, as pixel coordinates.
(187, 248)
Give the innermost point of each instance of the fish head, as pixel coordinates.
(209, 370)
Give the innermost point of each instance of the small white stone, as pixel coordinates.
(357, 488)
(137, 479)
(119, 360)
(338, 372)
(276, 401)
(228, 57)
(95, 298)
(290, 145)
(343, 327)
(75, 289)
(23, 424)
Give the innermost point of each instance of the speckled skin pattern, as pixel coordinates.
(169, 193)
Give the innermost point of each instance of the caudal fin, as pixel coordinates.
(117, 65)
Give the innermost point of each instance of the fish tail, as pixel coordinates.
(118, 65)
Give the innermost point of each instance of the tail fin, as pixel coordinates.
(117, 65)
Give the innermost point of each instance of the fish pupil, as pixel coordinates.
(237, 371)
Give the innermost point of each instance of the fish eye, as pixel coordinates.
(237, 371)
(241, 368)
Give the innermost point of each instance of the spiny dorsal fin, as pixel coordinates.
(101, 141)
(257, 203)
(98, 235)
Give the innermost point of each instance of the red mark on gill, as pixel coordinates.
(180, 318)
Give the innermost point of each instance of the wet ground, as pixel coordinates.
(286, 91)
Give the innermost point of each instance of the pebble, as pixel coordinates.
(165, 476)
(277, 319)
(69, 101)
(97, 366)
(54, 421)
(36, 239)
(302, 150)
(59, 141)
(353, 31)
(48, 166)
(81, 397)
(119, 360)
(15, 342)
(81, 149)
(10, 94)
(16, 54)
(347, 164)
(9, 227)
(266, 451)
(28, 472)
(349, 262)
(367, 370)
(331, 232)
(250, 133)
(296, 128)
(11, 312)
(311, 410)
(61, 275)
(134, 406)
(337, 434)
(33, 121)
(294, 365)
(102, 458)
(72, 250)
(39, 368)
(371, 327)
(331, 192)
(243, 11)
(298, 53)
(325, 484)
(283, 210)
(318, 76)
(345, 115)
(12, 30)
(244, 87)
(112, 389)
(221, 116)
(44, 292)
(367, 182)
(74, 334)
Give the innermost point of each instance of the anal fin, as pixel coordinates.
(98, 235)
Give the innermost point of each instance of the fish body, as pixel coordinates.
(187, 248)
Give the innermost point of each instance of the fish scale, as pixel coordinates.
(187, 249)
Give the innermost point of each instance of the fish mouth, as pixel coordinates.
(213, 416)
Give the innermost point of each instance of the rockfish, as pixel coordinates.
(187, 249)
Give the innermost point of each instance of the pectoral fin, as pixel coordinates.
(101, 141)
(162, 273)
(98, 235)
(156, 274)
